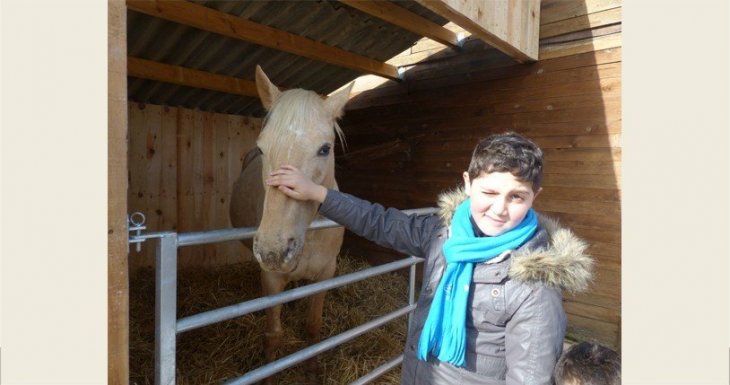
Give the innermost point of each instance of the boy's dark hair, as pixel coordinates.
(508, 152)
(588, 363)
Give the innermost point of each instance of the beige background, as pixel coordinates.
(675, 203)
(53, 192)
(54, 122)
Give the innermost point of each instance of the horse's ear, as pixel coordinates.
(268, 92)
(335, 104)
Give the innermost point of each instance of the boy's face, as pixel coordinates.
(499, 201)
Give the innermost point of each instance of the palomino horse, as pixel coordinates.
(298, 130)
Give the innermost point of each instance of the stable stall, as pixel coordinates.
(432, 77)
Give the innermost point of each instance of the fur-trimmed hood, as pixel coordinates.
(563, 264)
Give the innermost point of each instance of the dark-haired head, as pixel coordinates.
(508, 152)
(588, 363)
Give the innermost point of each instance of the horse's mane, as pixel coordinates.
(294, 109)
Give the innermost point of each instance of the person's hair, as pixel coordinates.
(588, 363)
(508, 152)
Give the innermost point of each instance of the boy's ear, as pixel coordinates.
(537, 193)
(467, 183)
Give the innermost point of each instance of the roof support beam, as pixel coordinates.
(401, 17)
(511, 26)
(207, 19)
(151, 70)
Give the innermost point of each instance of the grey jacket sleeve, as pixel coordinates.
(391, 228)
(534, 338)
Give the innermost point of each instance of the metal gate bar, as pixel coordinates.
(167, 326)
(165, 309)
(212, 236)
(243, 308)
(311, 351)
(379, 371)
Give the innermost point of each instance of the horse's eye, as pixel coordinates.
(324, 150)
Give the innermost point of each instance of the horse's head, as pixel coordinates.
(299, 130)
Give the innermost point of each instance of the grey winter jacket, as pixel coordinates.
(516, 323)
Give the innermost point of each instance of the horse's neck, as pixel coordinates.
(251, 156)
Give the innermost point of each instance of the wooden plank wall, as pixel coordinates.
(410, 141)
(182, 166)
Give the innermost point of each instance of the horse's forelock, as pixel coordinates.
(296, 109)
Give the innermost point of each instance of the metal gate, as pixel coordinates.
(168, 326)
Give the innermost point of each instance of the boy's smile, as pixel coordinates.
(499, 201)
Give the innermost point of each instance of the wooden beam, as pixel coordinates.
(557, 10)
(579, 23)
(147, 69)
(511, 26)
(402, 17)
(207, 19)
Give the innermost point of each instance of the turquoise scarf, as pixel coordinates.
(444, 333)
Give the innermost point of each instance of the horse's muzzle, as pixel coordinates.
(279, 256)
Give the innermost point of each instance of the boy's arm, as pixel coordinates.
(409, 234)
(534, 338)
(391, 228)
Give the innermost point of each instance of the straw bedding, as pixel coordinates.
(213, 354)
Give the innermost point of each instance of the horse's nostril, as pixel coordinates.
(290, 248)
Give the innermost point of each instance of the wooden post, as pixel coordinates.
(118, 307)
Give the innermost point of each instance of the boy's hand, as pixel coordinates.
(289, 180)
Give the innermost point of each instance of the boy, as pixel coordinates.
(490, 309)
(588, 363)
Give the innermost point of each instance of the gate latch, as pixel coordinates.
(135, 223)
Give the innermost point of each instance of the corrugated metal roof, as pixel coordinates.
(328, 22)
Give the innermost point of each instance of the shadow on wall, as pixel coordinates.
(409, 141)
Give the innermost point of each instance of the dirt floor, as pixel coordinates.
(213, 354)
